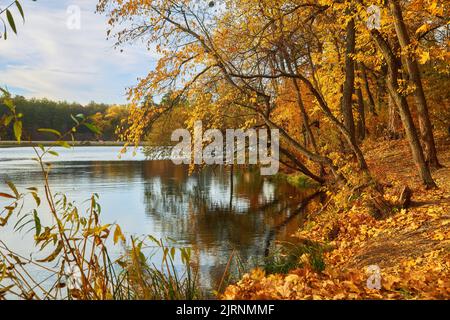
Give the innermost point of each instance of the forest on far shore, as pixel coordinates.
(45, 113)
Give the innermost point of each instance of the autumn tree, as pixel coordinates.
(415, 78)
(307, 59)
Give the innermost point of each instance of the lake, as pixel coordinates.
(156, 197)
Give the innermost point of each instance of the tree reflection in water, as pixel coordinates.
(195, 210)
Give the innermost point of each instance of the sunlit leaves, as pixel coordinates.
(424, 57)
(7, 120)
(93, 128)
(18, 130)
(423, 28)
(12, 116)
(53, 131)
(7, 101)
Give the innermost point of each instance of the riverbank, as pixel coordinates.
(404, 256)
(6, 144)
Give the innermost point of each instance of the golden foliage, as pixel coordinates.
(411, 247)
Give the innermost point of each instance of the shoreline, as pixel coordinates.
(10, 144)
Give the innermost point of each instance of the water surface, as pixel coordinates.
(156, 197)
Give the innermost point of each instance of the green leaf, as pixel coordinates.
(55, 132)
(9, 103)
(18, 130)
(37, 223)
(93, 128)
(152, 238)
(19, 7)
(75, 119)
(13, 188)
(36, 198)
(19, 224)
(7, 120)
(11, 21)
(63, 144)
(5, 34)
(53, 153)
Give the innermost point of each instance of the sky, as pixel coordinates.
(52, 57)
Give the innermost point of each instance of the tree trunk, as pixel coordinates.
(361, 124)
(231, 185)
(301, 167)
(394, 120)
(367, 88)
(305, 118)
(348, 89)
(402, 105)
(307, 128)
(351, 141)
(381, 87)
(414, 75)
(349, 84)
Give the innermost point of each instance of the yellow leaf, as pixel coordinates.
(438, 236)
(424, 57)
(118, 235)
(54, 254)
(422, 28)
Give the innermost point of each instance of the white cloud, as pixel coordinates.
(47, 59)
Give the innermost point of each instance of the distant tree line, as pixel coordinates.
(57, 115)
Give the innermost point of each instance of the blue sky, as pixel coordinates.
(48, 59)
